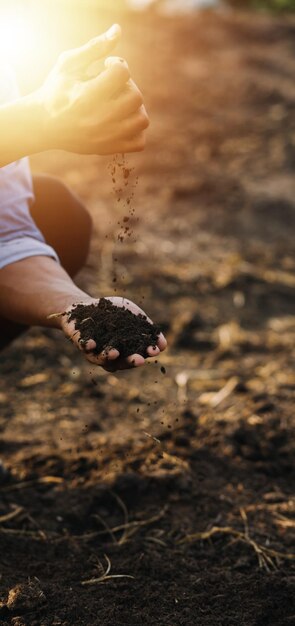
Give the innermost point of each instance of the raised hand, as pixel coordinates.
(102, 114)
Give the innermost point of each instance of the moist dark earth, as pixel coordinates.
(148, 498)
(112, 326)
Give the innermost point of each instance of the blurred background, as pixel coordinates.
(33, 33)
(210, 256)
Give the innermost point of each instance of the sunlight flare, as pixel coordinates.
(18, 37)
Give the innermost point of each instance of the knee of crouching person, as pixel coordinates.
(85, 225)
(79, 227)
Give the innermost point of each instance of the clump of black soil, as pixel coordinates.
(114, 327)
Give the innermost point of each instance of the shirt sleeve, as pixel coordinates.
(22, 248)
(19, 236)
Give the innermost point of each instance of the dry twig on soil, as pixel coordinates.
(44, 480)
(264, 555)
(105, 576)
(131, 527)
(11, 515)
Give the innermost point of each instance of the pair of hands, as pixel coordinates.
(92, 113)
(110, 360)
(88, 112)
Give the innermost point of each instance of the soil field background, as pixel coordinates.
(180, 479)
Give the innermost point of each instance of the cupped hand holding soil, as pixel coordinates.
(113, 332)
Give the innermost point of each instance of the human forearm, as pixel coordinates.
(34, 288)
(37, 287)
(22, 129)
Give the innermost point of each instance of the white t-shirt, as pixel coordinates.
(19, 235)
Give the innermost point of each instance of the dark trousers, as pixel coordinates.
(66, 226)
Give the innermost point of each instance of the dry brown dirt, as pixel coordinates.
(180, 479)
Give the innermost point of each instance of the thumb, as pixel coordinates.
(111, 61)
(93, 50)
(113, 78)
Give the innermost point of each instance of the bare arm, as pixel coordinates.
(22, 129)
(36, 287)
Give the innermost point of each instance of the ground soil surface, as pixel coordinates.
(176, 479)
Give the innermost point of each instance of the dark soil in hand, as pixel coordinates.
(114, 327)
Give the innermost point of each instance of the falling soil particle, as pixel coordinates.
(126, 172)
(163, 369)
(114, 327)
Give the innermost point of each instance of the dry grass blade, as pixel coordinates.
(38, 535)
(132, 527)
(45, 480)
(86, 320)
(225, 392)
(11, 515)
(175, 460)
(105, 576)
(156, 540)
(264, 555)
(122, 505)
(54, 315)
(41, 532)
(98, 517)
(283, 521)
(152, 437)
(245, 520)
(99, 581)
(278, 277)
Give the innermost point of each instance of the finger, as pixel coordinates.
(136, 124)
(153, 351)
(89, 345)
(134, 360)
(136, 144)
(129, 101)
(162, 342)
(96, 48)
(113, 78)
(95, 359)
(72, 333)
(109, 355)
(130, 137)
